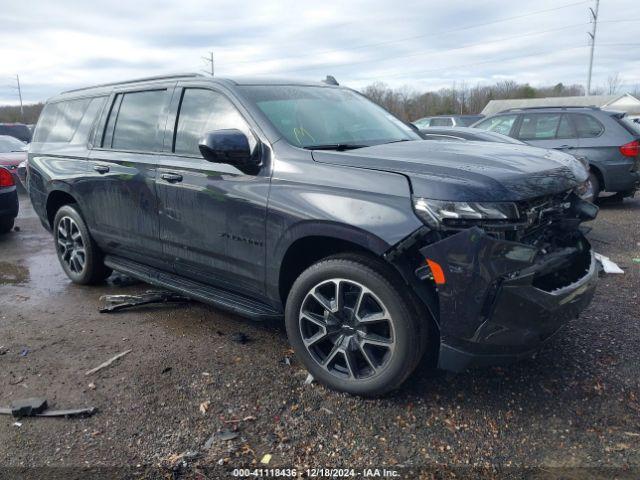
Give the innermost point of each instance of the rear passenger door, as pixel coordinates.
(212, 220)
(122, 209)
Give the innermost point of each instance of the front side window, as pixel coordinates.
(500, 124)
(310, 116)
(203, 111)
(59, 121)
(539, 126)
(133, 121)
(587, 126)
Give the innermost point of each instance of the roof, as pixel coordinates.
(624, 102)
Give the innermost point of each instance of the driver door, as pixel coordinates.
(212, 215)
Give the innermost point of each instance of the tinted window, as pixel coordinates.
(203, 111)
(467, 121)
(566, 130)
(500, 124)
(81, 135)
(539, 126)
(423, 122)
(587, 126)
(441, 122)
(59, 121)
(136, 121)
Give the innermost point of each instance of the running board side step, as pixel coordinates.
(223, 299)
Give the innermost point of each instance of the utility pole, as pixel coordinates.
(20, 97)
(209, 60)
(592, 34)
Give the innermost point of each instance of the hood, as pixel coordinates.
(12, 159)
(468, 171)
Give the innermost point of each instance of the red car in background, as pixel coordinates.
(12, 153)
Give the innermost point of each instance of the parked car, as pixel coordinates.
(447, 121)
(12, 153)
(466, 133)
(307, 201)
(8, 201)
(609, 143)
(475, 134)
(16, 130)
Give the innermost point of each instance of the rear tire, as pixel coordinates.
(354, 326)
(79, 256)
(6, 224)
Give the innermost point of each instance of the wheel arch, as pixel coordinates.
(55, 200)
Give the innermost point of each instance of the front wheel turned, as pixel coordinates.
(353, 327)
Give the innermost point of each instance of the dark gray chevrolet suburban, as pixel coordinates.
(307, 201)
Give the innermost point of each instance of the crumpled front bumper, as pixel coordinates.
(492, 308)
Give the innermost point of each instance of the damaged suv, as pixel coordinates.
(307, 201)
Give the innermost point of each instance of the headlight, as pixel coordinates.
(435, 213)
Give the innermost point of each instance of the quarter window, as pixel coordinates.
(587, 126)
(203, 111)
(133, 121)
(59, 121)
(500, 124)
(566, 130)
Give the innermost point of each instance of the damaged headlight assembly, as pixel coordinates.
(437, 213)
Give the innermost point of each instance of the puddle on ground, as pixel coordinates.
(13, 274)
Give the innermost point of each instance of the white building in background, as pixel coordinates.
(624, 102)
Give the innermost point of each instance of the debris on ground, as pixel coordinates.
(166, 370)
(16, 380)
(108, 362)
(636, 260)
(266, 459)
(608, 265)
(17, 424)
(92, 386)
(204, 406)
(240, 338)
(3, 350)
(309, 379)
(326, 410)
(122, 280)
(245, 419)
(24, 352)
(179, 462)
(37, 407)
(222, 436)
(116, 303)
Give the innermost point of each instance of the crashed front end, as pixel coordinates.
(507, 277)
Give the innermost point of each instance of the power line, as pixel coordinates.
(433, 52)
(389, 42)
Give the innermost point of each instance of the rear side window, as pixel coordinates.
(500, 124)
(133, 121)
(441, 122)
(59, 121)
(203, 111)
(587, 126)
(21, 132)
(541, 126)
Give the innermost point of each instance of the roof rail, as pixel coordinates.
(136, 80)
(563, 107)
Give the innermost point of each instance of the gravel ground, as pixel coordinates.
(574, 410)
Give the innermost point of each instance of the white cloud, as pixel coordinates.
(423, 44)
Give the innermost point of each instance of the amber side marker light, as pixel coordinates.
(436, 270)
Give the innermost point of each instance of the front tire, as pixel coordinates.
(6, 224)
(78, 254)
(353, 326)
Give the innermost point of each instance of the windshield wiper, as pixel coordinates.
(335, 146)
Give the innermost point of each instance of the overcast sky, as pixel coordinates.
(428, 44)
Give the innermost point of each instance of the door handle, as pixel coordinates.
(171, 177)
(101, 169)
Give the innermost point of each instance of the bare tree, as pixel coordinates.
(614, 81)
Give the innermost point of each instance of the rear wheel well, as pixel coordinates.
(305, 252)
(596, 171)
(56, 200)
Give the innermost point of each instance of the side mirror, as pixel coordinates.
(229, 146)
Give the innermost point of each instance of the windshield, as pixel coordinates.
(10, 144)
(311, 117)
